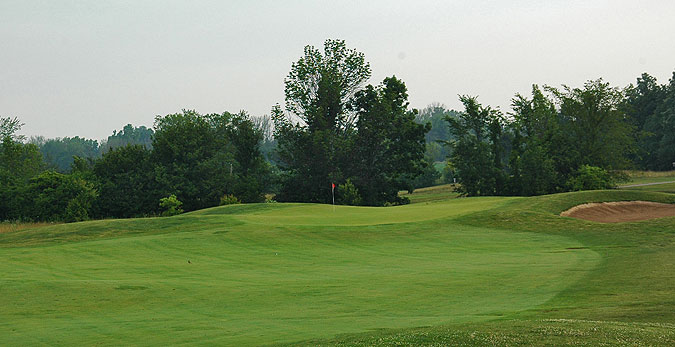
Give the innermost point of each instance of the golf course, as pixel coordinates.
(440, 271)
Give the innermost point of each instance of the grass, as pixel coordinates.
(663, 187)
(469, 271)
(429, 194)
(8, 227)
(642, 177)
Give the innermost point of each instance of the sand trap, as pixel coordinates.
(622, 211)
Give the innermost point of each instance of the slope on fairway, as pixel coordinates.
(318, 214)
(275, 273)
(626, 299)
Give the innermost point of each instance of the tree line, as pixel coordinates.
(338, 136)
(562, 139)
(194, 160)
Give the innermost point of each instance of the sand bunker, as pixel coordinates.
(622, 211)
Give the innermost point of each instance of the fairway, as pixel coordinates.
(278, 273)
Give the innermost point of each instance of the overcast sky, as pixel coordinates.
(88, 67)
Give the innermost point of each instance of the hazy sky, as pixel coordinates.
(87, 67)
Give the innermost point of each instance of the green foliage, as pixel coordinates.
(591, 178)
(430, 175)
(435, 114)
(548, 145)
(229, 199)
(536, 147)
(348, 194)
(346, 132)
(448, 174)
(9, 127)
(170, 206)
(18, 164)
(476, 157)
(126, 183)
(319, 90)
(58, 153)
(388, 148)
(129, 135)
(596, 124)
(202, 157)
(253, 174)
(53, 196)
(659, 143)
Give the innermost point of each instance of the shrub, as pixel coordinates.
(591, 178)
(348, 194)
(52, 196)
(170, 205)
(229, 199)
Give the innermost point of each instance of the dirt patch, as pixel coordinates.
(622, 211)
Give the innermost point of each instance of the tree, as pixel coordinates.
(193, 157)
(200, 158)
(596, 123)
(129, 135)
(475, 153)
(435, 114)
(9, 127)
(126, 183)
(53, 196)
(661, 127)
(59, 152)
(388, 150)
(536, 134)
(318, 122)
(252, 174)
(19, 162)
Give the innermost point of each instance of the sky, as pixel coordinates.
(86, 68)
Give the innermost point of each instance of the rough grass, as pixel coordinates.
(9, 227)
(640, 177)
(470, 271)
(663, 187)
(429, 194)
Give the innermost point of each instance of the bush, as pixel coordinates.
(52, 196)
(229, 199)
(591, 178)
(348, 194)
(170, 205)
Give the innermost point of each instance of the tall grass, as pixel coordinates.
(649, 174)
(8, 227)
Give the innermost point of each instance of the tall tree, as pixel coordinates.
(662, 125)
(474, 150)
(318, 121)
(642, 101)
(594, 117)
(388, 148)
(19, 162)
(536, 137)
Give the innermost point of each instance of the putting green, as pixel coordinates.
(274, 273)
(317, 214)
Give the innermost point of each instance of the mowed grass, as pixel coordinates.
(661, 187)
(456, 271)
